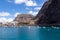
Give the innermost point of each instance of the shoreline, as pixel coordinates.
(31, 26)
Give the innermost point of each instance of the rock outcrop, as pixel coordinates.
(49, 13)
(24, 19)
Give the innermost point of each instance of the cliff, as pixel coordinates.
(49, 13)
(24, 19)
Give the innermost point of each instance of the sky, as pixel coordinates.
(9, 9)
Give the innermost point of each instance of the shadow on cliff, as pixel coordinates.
(49, 13)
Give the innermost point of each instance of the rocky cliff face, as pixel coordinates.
(49, 13)
(24, 19)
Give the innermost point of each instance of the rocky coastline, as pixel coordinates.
(21, 20)
(49, 15)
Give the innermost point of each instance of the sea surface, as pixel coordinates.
(30, 33)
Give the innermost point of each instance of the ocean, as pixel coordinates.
(29, 33)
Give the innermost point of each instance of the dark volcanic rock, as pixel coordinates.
(49, 13)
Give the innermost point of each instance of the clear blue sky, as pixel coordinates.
(10, 8)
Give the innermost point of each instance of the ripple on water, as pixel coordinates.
(30, 33)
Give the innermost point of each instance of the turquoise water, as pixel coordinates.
(30, 33)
